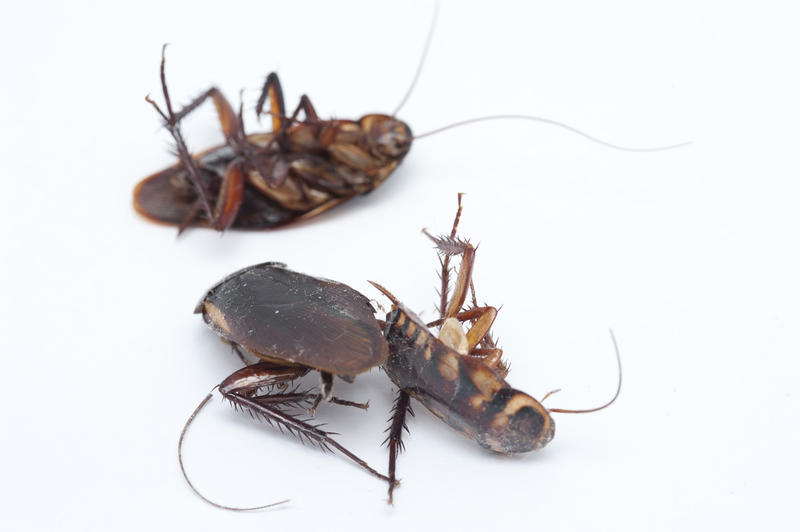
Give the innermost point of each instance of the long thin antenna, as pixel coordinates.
(552, 123)
(186, 477)
(421, 60)
(609, 403)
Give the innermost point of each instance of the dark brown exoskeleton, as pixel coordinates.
(293, 323)
(459, 376)
(298, 170)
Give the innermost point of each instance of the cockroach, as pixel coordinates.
(297, 171)
(293, 323)
(296, 323)
(460, 376)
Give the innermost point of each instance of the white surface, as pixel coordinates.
(690, 255)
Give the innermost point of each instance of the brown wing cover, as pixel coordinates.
(285, 315)
(168, 196)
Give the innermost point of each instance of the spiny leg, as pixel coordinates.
(478, 340)
(272, 90)
(172, 120)
(238, 387)
(171, 123)
(445, 263)
(402, 405)
(449, 246)
(279, 168)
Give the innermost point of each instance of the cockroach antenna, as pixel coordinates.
(533, 118)
(425, 48)
(197, 410)
(607, 404)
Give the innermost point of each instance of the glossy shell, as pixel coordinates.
(285, 316)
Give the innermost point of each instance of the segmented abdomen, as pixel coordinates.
(463, 391)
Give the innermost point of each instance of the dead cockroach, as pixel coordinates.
(295, 323)
(460, 376)
(300, 169)
(257, 181)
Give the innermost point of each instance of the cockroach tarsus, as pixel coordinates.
(295, 323)
(297, 171)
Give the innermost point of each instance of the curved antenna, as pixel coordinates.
(428, 40)
(551, 122)
(183, 469)
(609, 403)
(385, 292)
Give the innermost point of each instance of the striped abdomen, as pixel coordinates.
(462, 390)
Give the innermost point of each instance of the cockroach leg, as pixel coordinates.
(229, 121)
(237, 350)
(449, 246)
(230, 127)
(242, 389)
(231, 194)
(272, 90)
(304, 431)
(402, 405)
(482, 318)
(191, 216)
(325, 390)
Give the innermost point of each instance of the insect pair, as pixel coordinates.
(295, 324)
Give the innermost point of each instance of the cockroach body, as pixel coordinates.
(462, 390)
(257, 181)
(460, 375)
(295, 323)
(286, 317)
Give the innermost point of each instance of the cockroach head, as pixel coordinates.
(387, 136)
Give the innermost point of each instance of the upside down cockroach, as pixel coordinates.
(296, 323)
(460, 376)
(300, 169)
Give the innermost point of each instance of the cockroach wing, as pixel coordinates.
(282, 315)
(169, 197)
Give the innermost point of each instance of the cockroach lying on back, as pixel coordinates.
(300, 169)
(296, 323)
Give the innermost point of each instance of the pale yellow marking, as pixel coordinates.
(217, 317)
(410, 328)
(477, 402)
(401, 319)
(427, 353)
(452, 335)
(448, 367)
(486, 381)
(422, 337)
(518, 401)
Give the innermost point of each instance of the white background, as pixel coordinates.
(690, 255)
